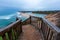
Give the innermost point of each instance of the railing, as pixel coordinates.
(35, 21)
(12, 31)
(49, 31)
(27, 21)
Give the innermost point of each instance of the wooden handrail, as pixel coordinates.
(35, 21)
(52, 26)
(27, 21)
(12, 31)
(49, 30)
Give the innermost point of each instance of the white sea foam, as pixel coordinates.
(4, 17)
(7, 16)
(18, 14)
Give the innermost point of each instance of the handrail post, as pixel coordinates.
(4, 37)
(21, 25)
(41, 23)
(30, 19)
(16, 18)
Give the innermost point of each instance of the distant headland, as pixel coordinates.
(45, 12)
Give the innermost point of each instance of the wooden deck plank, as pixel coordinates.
(30, 33)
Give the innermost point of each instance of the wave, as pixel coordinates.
(7, 16)
(7, 19)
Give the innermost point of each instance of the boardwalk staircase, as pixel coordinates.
(34, 28)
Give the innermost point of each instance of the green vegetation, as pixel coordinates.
(44, 12)
(0, 38)
(7, 37)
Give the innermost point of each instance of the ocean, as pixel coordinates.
(7, 16)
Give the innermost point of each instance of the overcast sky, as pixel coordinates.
(8, 7)
(31, 4)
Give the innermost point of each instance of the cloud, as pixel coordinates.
(31, 4)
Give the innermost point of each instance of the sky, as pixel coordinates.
(8, 7)
(30, 4)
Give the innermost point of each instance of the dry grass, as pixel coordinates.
(54, 18)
